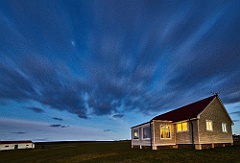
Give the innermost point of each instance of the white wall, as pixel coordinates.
(20, 146)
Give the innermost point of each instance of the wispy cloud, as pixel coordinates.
(118, 115)
(19, 132)
(108, 130)
(58, 125)
(58, 119)
(109, 58)
(41, 131)
(236, 112)
(35, 109)
(41, 140)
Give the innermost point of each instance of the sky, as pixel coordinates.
(89, 70)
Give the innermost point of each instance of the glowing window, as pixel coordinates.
(209, 126)
(146, 132)
(182, 126)
(135, 134)
(165, 131)
(224, 127)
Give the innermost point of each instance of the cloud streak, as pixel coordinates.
(35, 109)
(41, 131)
(236, 112)
(112, 59)
(118, 116)
(58, 119)
(108, 130)
(19, 132)
(58, 125)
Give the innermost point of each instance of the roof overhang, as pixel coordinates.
(161, 121)
(141, 124)
(186, 120)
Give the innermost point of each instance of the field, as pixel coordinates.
(116, 152)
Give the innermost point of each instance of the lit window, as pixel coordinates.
(209, 125)
(224, 127)
(165, 131)
(146, 132)
(182, 126)
(135, 134)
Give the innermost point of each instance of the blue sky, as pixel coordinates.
(89, 70)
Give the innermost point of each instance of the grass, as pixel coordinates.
(116, 152)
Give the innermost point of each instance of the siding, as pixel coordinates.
(159, 141)
(196, 131)
(185, 137)
(218, 115)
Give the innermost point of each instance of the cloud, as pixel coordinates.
(118, 115)
(236, 120)
(130, 56)
(41, 140)
(108, 130)
(35, 109)
(40, 131)
(58, 119)
(236, 112)
(19, 132)
(58, 125)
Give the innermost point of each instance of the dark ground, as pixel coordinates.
(116, 152)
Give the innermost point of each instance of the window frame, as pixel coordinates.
(207, 125)
(137, 134)
(170, 131)
(182, 127)
(224, 127)
(148, 125)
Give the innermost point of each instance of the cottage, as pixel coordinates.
(202, 124)
(13, 145)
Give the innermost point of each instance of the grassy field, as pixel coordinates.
(116, 152)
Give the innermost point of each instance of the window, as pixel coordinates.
(182, 126)
(6, 146)
(209, 125)
(165, 131)
(146, 132)
(224, 127)
(135, 134)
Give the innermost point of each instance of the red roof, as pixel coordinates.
(186, 112)
(16, 142)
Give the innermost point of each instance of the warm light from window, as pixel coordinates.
(179, 127)
(135, 134)
(165, 131)
(209, 125)
(182, 126)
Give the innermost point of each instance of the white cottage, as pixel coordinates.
(13, 145)
(202, 124)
